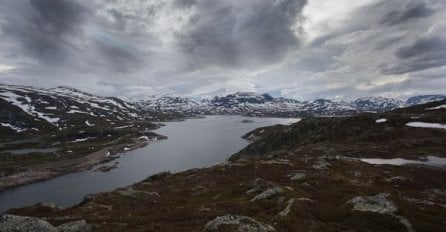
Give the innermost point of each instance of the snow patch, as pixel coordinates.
(122, 127)
(18, 129)
(437, 107)
(426, 125)
(430, 161)
(381, 120)
(80, 140)
(26, 107)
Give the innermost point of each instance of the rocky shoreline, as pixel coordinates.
(51, 170)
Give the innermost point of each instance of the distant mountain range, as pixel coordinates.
(31, 110)
(252, 104)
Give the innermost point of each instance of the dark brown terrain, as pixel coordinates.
(304, 177)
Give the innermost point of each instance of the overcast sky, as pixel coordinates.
(303, 49)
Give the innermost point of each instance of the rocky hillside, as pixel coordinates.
(397, 131)
(309, 176)
(253, 104)
(29, 110)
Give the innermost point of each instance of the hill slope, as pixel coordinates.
(29, 110)
(309, 176)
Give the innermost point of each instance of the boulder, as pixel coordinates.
(297, 176)
(14, 223)
(237, 223)
(376, 204)
(76, 226)
(268, 193)
(322, 164)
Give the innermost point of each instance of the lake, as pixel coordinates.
(193, 143)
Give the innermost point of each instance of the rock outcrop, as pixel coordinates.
(237, 223)
(13, 223)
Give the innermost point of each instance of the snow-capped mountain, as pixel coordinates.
(241, 98)
(166, 103)
(247, 103)
(422, 99)
(30, 110)
(250, 104)
(374, 104)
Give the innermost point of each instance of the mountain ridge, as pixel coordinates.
(253, 104)
(30, 109)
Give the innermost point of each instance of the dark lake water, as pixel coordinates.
(193, 143)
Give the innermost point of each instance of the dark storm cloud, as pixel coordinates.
(413, 10)
(120, 59)
(184, 3)
(57, 17)
(428, 46)
(53, 33)
(43, 26)
(204, 47)
(231, 33)
(426, 52)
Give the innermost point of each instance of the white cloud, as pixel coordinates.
(5, 67)
(325, 16)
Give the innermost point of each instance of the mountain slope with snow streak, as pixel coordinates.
(28, 109)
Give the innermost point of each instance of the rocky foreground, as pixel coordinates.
(305, 177)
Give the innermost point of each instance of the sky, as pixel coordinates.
(301, 49)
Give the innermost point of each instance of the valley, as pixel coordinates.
(46, 133)
(192, 143)
(342, 171)
(302, 177)
(222, 116)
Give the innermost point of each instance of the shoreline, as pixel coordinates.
(52, 170)
(47, 171)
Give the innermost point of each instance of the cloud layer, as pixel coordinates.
(292, 48)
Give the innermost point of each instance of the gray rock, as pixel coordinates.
(13, 223)
(50, 205)
(130, 192)
(377, 204)
(89, 197)
(396, 179)
(297, 176)
(259, 185)
(277, 161)
(268, 193)
(405, 222)
(357, 174)
(240, 223)
(76, 226)
(287, 209)
(322, 164)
